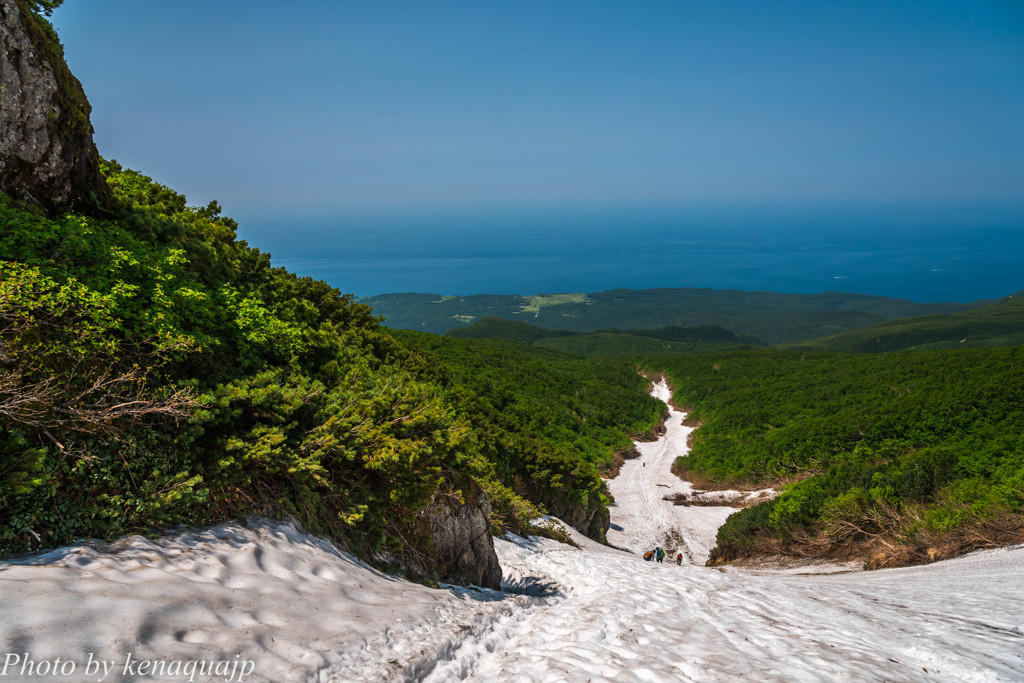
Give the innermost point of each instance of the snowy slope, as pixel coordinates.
(642, 518)
(300, 610)
(620, 618)
(292, 605)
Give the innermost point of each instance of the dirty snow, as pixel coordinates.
(641, 518)
(300, 610)
(291, 604)
(620, 618)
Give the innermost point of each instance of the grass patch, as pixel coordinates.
(538, 301)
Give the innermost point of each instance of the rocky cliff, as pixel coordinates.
(47, 154)
(460, 531)
(591, 520)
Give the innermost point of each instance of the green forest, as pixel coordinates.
(759, 317)
(550, 422)
(896, 458)
(609, 342)
(156, 370)
(997, 324)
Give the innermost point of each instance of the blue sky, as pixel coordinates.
(317, 107)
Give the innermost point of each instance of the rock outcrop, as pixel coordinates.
(47, 154)
(591, 520)
(461, 534)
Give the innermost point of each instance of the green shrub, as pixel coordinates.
(893, 447)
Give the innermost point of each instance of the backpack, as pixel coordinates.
(648, 555)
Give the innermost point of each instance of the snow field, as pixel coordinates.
(292, 604)
(641, 517)
(619, 618)
(623, 619)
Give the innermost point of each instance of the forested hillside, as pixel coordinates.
(550, 423)
(998, 324)
(895, 457)
(769, 317)
(609, 342)
(156, 370)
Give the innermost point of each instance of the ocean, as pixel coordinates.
(950, 254)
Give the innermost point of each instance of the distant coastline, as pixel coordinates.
(928, 260)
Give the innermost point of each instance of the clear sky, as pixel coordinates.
(315, 107)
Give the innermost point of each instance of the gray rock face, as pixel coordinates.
(461, 534)
(591, 521)
(47, 155)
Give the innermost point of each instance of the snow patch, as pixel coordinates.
(643, 515)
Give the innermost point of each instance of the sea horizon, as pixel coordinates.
(924, 254)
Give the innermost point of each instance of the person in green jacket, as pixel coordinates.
(660, 553)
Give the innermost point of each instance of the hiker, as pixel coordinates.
(649, 555)
(661, 554)
(679, 559)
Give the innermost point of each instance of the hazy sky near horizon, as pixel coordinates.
(314, 107)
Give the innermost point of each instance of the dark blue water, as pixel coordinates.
(928, 255)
